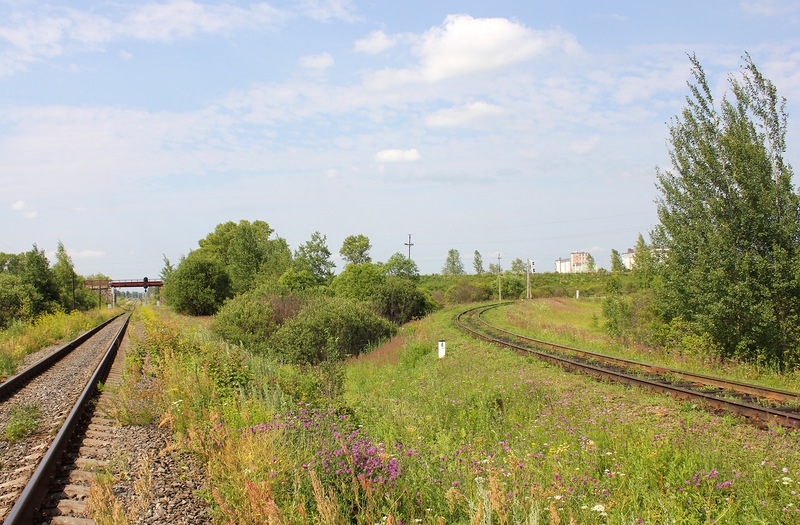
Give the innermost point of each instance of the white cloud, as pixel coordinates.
(90, 254)
(33, 36)
(398, 155)
(317, 62)
(374, 43)
(325, 10)
(22, 206)
(584, 146)
(466, 45)
(124, 55)
(464, 115)
(331, 173)
(770, 8)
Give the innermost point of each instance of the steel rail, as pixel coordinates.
(758, 414)
(764, 392)
(36, 489)
(14, 383)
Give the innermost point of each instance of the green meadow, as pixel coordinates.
(481, 436)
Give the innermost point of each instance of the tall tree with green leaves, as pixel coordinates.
(616, 262)
(644, 264)
(730, 221)
(64, 272)
(38, 275)
(355, 249)
(199, 285)
(477, 263)
(399, 265)
(246, 250)
(453, 264)
(519, 267)
(315, 257)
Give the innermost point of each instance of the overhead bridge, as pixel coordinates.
(141, 283)
(107, 284)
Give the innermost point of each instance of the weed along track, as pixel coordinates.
(41, 411)
(762, 405)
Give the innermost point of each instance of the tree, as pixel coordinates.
(616, 262)
(358, 281)
(400, 300)
(355, 249)
(644, 265)
(729, 215)
(519, 267)
(591, 267)
(315, 257)
(14, 299)
(401, 266)
(246, 250)
(167, 270)
(199, 285)
(70, 285)
(477, 263)
(64, 272)
(40, 278)
(453, 264)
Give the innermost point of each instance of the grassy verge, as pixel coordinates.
(481, 436)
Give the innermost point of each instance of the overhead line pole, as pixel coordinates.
(499, 273)
(409, 244)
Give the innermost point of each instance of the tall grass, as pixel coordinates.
(481, 436)
(23, 338)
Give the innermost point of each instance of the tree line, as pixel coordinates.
(290, 303)
(31, 287)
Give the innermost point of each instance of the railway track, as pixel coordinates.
(58, 391)
(761, 405)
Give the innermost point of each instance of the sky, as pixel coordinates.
(520, 129)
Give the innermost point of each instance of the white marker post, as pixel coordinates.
(441, 348)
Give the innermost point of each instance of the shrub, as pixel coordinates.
(329, 327)
(198, 286)
(251, 318)
(400, 300)
(468, 291)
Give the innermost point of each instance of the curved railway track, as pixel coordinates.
(762, 405)
(60, 387)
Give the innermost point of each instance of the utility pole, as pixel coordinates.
(409, 244)
(531, 270)
(499, 285)
(73, 290)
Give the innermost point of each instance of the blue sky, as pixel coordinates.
(129, 130)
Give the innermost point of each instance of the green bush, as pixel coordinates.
(399, 300)
(329, 327)
(198, 286)
(469, 291)
(252, 318)
(358, 281)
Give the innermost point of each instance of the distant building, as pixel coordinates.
(578, 262)
(628, 259)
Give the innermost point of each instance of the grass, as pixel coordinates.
(24, 419)
(481, 436)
